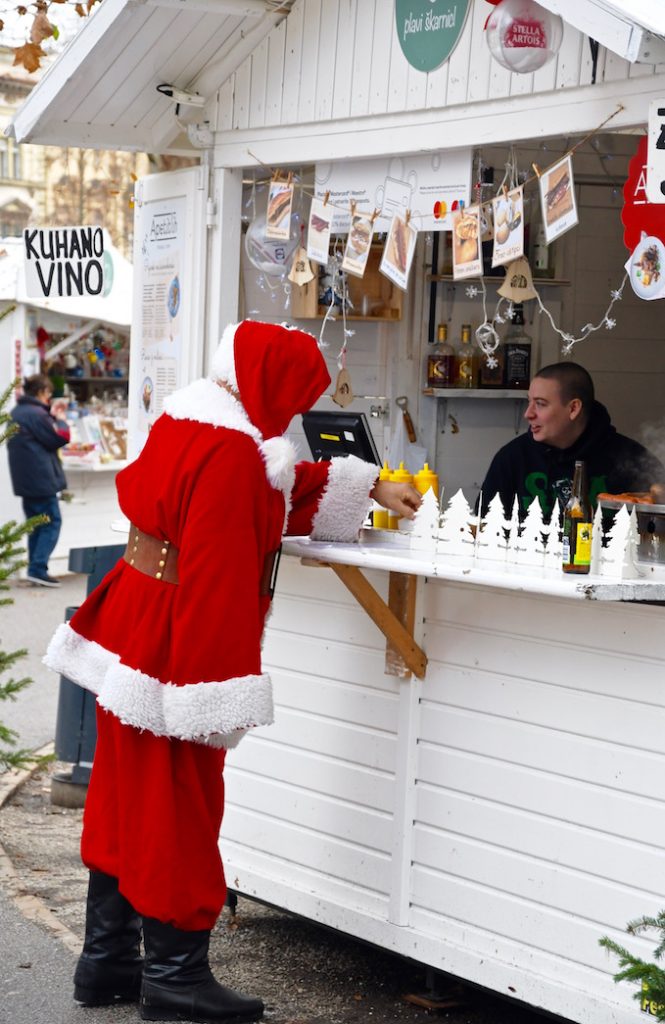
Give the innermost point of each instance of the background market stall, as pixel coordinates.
(60, 335)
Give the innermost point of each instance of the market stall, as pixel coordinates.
(496, 817)
(82, 343)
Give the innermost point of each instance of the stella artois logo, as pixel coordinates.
(525, 32)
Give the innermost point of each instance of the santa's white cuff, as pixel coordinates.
(216, 713)
(345, 501)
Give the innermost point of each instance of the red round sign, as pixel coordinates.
(638, 214)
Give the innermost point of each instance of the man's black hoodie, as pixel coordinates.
(533, 469)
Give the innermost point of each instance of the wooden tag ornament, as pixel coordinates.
(343, 395)
(301, 269)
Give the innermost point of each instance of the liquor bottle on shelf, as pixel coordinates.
(577, 525)
(493, 368)
(467, 360)
(441, 361)
(517, 348)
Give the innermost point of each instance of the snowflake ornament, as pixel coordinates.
(610, 323)
(492, 362)
(471, 291)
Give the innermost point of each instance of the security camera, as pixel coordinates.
(179, 96)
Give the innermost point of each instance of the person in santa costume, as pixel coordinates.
(170, 644)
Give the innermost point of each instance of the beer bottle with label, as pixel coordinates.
(577, 525)
(441, 361)
(467, 360)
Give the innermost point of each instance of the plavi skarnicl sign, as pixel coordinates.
(429, 30)
(64, 261)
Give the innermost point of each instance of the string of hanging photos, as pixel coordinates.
(499, 218)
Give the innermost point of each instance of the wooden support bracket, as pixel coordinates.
(395, 619)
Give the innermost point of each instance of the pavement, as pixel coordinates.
(304, 973)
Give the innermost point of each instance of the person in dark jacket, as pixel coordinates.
(566, 424)
(36, 471)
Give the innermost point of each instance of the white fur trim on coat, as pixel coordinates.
(205, 402)
(223, 365)
(214, 713)
(345, 501)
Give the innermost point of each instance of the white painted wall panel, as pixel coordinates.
(532, 785)
(309, 60)
(342, 58)
(292, 64)
(275, 73)
(258, 84)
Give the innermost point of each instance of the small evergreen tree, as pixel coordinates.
(11, 560)
(650, 974)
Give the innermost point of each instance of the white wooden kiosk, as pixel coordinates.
(496, 817)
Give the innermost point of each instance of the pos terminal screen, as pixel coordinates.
(339, 433)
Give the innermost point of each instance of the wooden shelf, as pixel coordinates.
(558, 282)
(476, 393)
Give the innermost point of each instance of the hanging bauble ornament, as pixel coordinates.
(522, 36)
(272, 256)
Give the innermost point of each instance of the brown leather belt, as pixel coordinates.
(159, 559)
(152, 556)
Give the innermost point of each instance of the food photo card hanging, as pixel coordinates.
(399, 248)
(508, 218)
(318, 232)
(557, 198)
(278, 214)
(643, 214)
(467, 258)
(358, 243)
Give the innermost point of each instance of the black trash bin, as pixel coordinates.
(75, 727)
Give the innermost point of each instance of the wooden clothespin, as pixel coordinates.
(537, 170)
(353, 208)
(375, 215)
(505, 191)
(407, 218)
(326, 197)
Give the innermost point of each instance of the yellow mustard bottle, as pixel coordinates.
(426, 478)
(398, 476)
(380, 514)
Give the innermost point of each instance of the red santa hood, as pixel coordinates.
(277, 370)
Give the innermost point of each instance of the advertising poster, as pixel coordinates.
(432, 186)
(162, 224)
(467, 258)
(557, 199)
(358, 244)
(508, 219)
(398, 252)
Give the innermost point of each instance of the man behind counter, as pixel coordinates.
(566, 423)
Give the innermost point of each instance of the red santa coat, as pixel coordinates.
(176, 667)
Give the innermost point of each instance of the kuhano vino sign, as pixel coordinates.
(429, 30)
(64, 261)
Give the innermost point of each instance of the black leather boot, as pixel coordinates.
(110, 966)
(178, 983)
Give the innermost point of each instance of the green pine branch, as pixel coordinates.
(650, 975)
